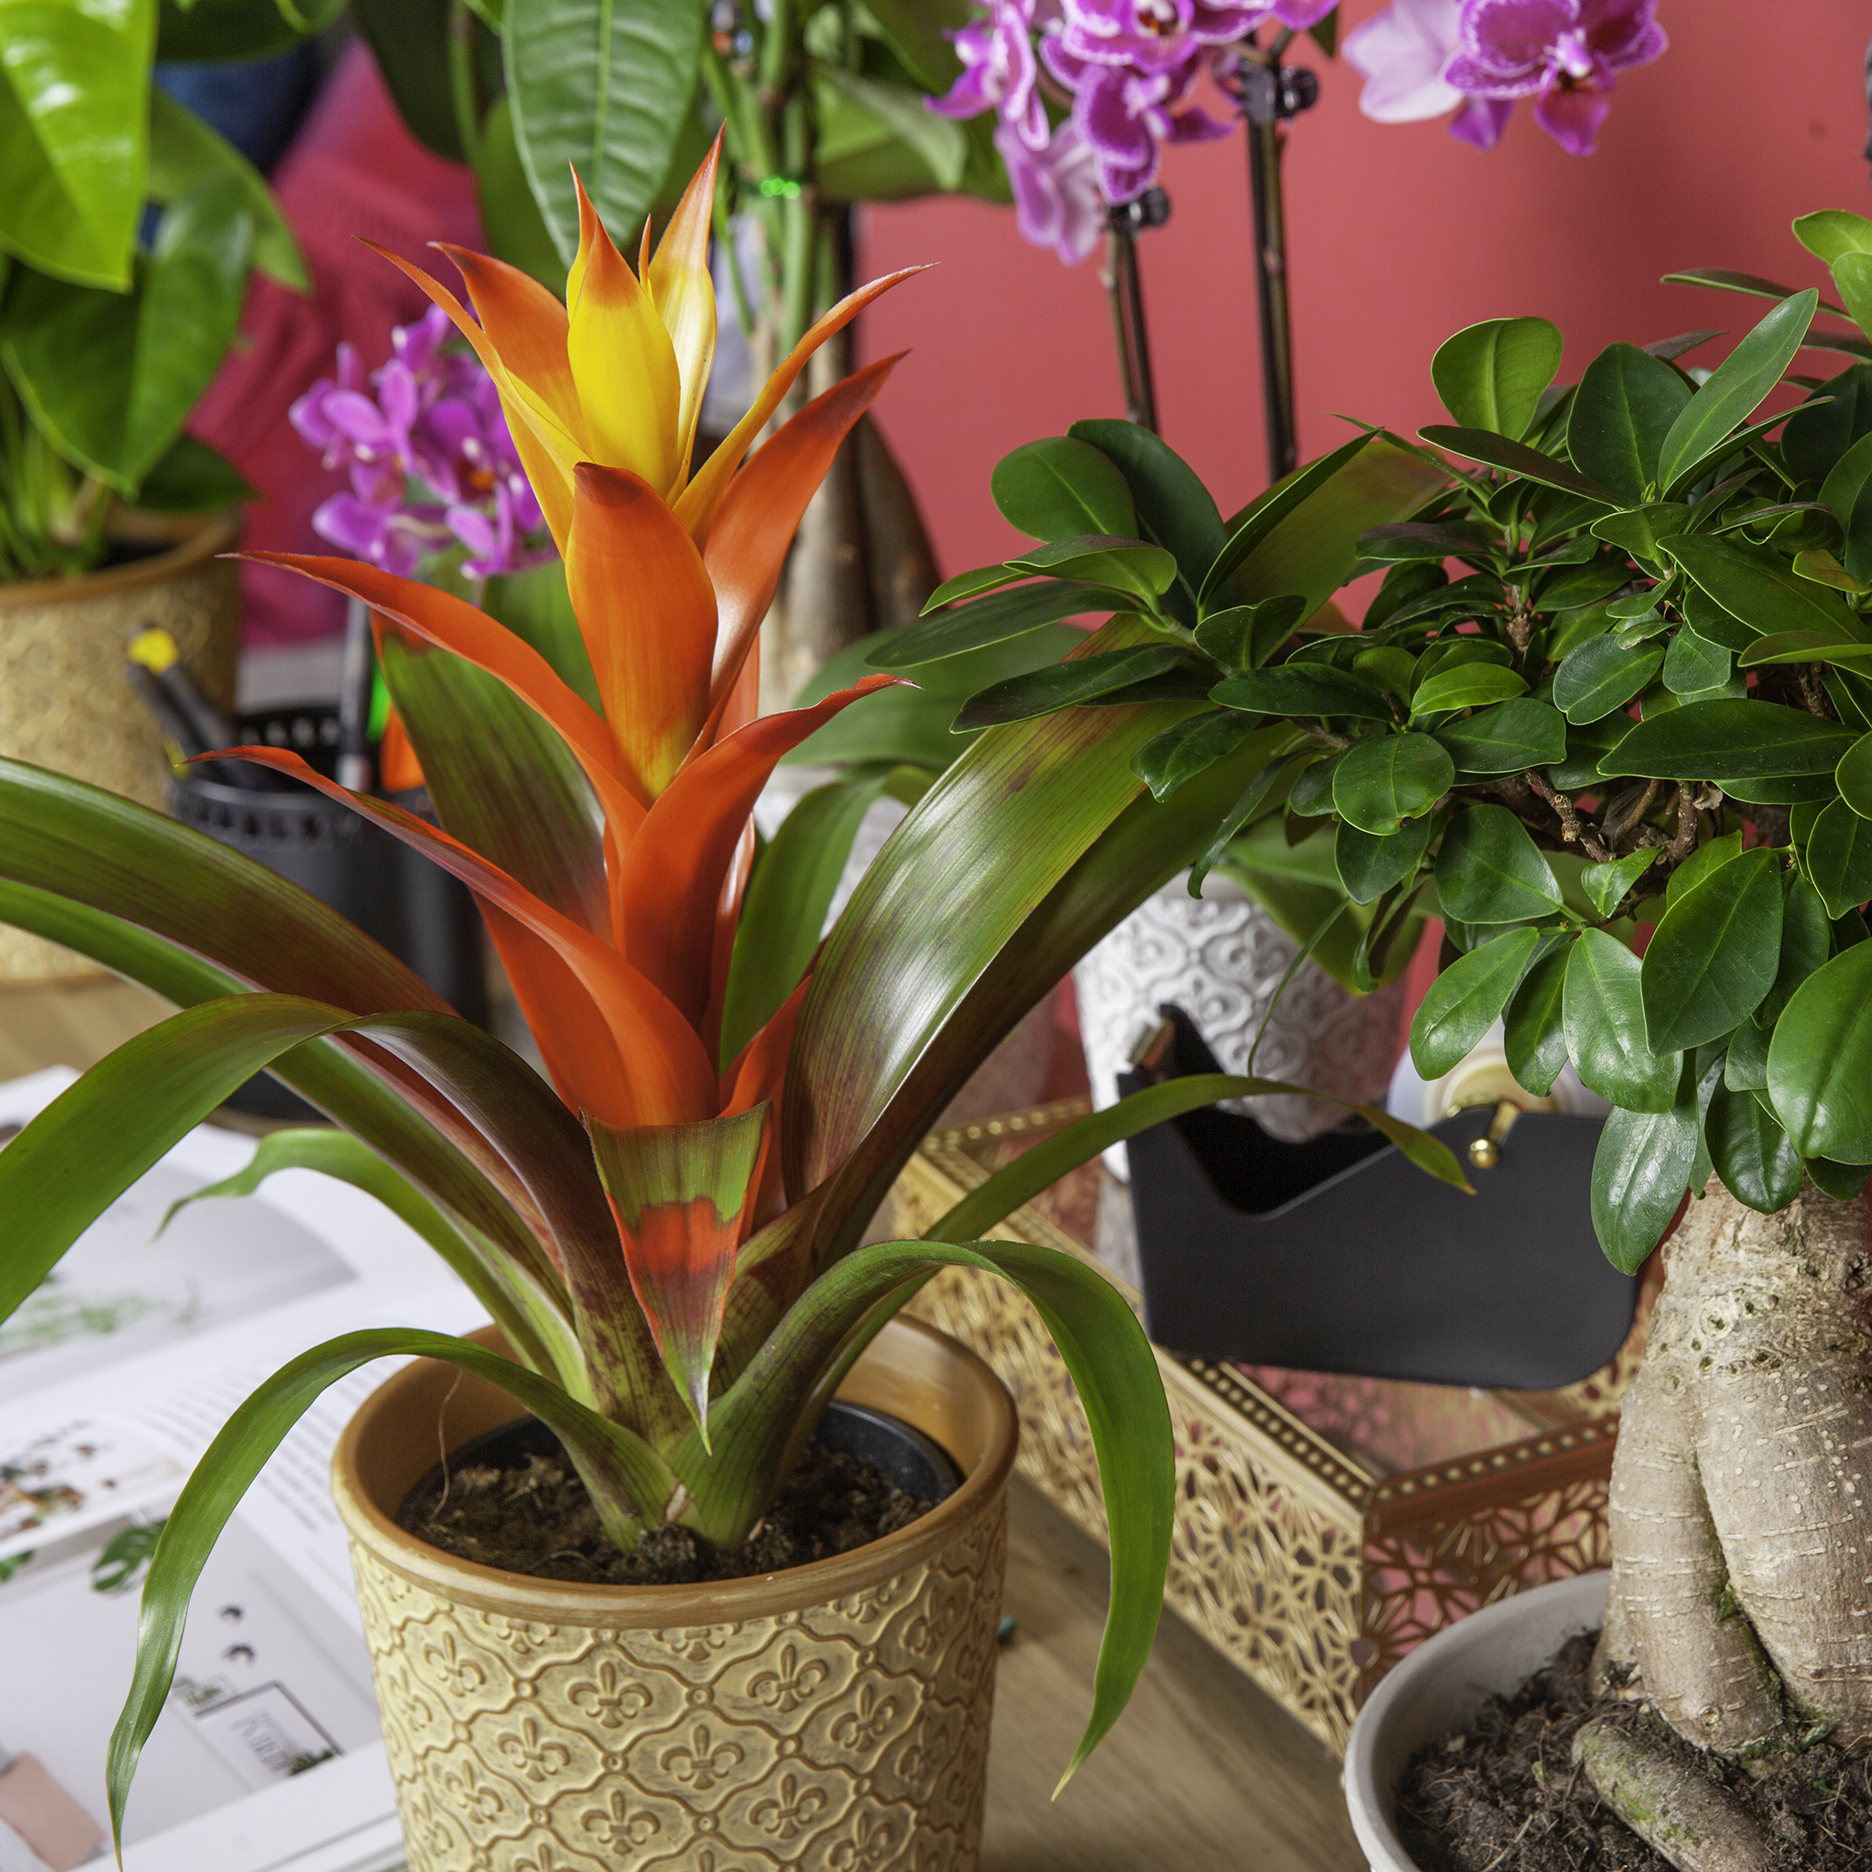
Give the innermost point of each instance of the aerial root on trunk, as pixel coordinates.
(1655, 1784)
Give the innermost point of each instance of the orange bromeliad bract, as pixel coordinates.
(670, 575)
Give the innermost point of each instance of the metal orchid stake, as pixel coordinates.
(1089, 92)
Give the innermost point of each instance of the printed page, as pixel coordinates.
(114, 1378)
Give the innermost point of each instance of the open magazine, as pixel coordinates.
(114, 1377)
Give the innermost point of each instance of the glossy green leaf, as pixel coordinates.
(1731, 739)
(1250, 528)
(1063, 685)
(1605, 1027)
(1245, 636)
(1852, 274)
(1312, 549)
(184, 151)
(1838, 858)
(1173, 507)
(73, 135)
(1404, 541)
(1587, 747)
(1706, 858)
(112, 378)
(1820, 1060)
(1534, 1025)
(1392, 669)
(1508, 738)
(1388, 778)
(1640, 1171)
(1301, 689)
(1466, 1000)
(1831, 232)
(1515, 458)
(940, 144)
(1853, 776)
(1693, 663)
(603, 1450)
(1060, 488)
(1368, 866)
(1715, 954)
(1490, 871)
(1491, 376)
(1821, 431)
(1623, 410)
(1606, 884)
(1642, 531)
(1186, 748)
(1758, 587)
(1745, 1060)
(786, 902)
(991, 620)
(1806, 941)
(1754, 1157)
(1123, 564)
(1263, 792)
(1310, 795)
(592, 85)
(1840, 1181)
(1601, 676)
(1737, 387)
(1466, 685)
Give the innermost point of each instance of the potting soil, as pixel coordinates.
(1504, 1795)
(535, 1517)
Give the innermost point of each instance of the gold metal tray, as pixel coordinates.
(1325, 1525)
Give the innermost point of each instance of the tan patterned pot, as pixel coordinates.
(64, 702)
(833, 1716)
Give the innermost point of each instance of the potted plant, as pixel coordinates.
(1623, 746)
(110, 513)
(668, 1237)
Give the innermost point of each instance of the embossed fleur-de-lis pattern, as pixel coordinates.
(65, 704)
(851, 1735)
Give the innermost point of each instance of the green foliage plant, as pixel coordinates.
(1609, 715)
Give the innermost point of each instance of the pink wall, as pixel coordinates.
(1399, 237)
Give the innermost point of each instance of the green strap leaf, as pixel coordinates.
(1258, 520)
(1737, 386)
(598, 86)
(1114, 1372)
(535, 1322)
(1301, 689)
(1065, 685)
(628, 1481)
(993, 620)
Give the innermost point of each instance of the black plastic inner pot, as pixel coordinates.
(899, 1452)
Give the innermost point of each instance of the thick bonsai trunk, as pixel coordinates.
(1741, 1513)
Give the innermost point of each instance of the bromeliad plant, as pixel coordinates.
(1611, 711)
(669, 1233)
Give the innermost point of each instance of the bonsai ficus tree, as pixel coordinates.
(1610, 713)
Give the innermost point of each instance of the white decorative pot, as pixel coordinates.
(1220, 957)
(1441, 1685)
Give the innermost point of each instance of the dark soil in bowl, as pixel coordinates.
(1504, 1794)
(529, 1513)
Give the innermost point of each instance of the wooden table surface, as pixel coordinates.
(1204, 1773)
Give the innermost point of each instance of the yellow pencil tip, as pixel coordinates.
(154, 648)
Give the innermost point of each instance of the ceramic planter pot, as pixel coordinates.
(64, 701)
(1436, 1690)
(834, 1715)
(1220, 957)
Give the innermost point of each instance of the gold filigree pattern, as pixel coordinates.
(64, 701)
(1296, 1552)
(850, 1734)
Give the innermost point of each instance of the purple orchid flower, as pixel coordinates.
(1000, 73)
(430, 422)
(1565, 54)
(1057, 202)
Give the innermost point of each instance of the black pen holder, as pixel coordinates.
(1340, 1255)
(410, 905)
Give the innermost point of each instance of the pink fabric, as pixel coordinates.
(353, 170)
